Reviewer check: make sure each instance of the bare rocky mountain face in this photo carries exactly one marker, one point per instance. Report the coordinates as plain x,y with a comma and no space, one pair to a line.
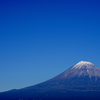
80,82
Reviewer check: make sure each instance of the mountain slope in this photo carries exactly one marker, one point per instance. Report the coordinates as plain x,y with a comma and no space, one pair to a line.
82,73
80,81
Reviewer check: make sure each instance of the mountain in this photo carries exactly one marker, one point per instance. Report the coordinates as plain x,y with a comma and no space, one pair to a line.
83,76
80,82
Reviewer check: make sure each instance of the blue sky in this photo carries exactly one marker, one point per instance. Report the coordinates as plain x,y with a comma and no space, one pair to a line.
39,39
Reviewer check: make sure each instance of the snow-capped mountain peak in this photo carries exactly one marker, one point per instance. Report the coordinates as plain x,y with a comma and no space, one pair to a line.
82,64
83,68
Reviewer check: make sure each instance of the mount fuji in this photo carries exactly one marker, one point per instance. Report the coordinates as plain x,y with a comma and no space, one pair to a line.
80,82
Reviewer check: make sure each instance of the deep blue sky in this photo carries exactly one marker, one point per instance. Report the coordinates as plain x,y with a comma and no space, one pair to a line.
39,39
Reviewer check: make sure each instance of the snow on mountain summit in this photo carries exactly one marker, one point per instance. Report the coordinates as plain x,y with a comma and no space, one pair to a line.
83,64
83,68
